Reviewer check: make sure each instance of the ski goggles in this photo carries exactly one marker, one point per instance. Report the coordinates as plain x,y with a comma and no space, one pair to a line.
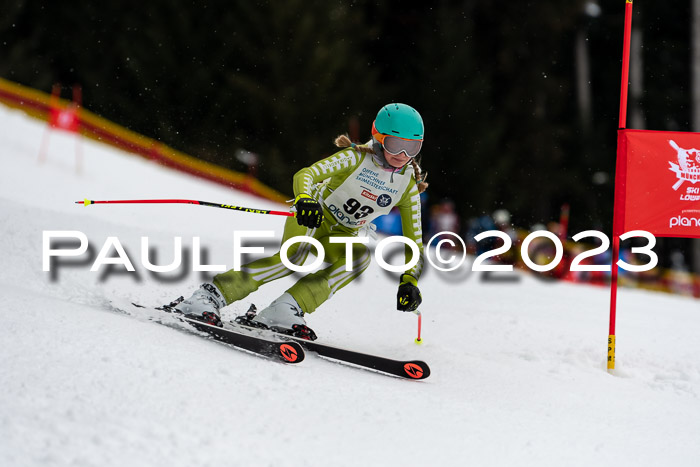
395,145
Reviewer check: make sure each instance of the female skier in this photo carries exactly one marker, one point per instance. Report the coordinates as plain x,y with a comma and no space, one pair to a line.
360,183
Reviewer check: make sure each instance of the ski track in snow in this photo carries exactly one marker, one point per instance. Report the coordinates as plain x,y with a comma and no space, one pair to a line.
518,368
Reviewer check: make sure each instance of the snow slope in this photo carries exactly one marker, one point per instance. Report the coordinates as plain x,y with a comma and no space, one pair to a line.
518,371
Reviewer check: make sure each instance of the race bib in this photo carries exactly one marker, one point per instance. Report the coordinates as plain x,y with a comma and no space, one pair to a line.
366,194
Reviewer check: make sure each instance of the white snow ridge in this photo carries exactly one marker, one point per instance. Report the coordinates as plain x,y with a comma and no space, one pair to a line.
518,368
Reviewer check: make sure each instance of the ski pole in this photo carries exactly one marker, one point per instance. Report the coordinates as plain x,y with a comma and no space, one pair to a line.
88,202
418,340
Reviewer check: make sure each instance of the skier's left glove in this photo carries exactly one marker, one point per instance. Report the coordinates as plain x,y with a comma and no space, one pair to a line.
309,211
408,298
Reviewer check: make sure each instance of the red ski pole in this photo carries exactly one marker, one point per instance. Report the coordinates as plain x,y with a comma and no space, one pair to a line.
418,339
88,202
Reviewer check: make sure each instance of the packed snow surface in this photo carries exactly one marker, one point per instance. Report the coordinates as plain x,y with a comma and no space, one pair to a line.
518,365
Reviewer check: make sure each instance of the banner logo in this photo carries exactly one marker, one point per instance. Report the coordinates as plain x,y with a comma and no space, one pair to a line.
684,222
688,167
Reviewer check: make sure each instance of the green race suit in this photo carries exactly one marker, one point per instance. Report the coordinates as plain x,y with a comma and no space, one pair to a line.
354,190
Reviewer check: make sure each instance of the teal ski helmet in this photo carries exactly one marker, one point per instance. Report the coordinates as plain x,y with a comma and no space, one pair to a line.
400,120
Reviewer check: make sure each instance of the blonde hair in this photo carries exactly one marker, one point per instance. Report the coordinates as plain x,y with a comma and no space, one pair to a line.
343,141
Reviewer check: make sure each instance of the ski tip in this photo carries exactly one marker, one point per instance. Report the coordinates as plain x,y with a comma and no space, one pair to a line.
416,369
85,201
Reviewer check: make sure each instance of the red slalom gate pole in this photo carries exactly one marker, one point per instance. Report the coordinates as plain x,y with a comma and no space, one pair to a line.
620,181
88,202
625,64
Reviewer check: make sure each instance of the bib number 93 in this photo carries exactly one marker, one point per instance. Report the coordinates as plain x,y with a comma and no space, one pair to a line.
355,209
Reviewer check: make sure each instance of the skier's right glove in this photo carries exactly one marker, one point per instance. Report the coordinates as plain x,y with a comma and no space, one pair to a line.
408,298
309,211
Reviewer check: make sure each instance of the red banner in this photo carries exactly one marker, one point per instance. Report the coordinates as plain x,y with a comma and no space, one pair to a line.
658,183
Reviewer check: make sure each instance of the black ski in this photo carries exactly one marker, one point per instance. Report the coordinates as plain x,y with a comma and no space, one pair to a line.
410,369
289,349
286,351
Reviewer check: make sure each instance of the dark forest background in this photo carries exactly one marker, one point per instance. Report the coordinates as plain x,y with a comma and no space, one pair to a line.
498,84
